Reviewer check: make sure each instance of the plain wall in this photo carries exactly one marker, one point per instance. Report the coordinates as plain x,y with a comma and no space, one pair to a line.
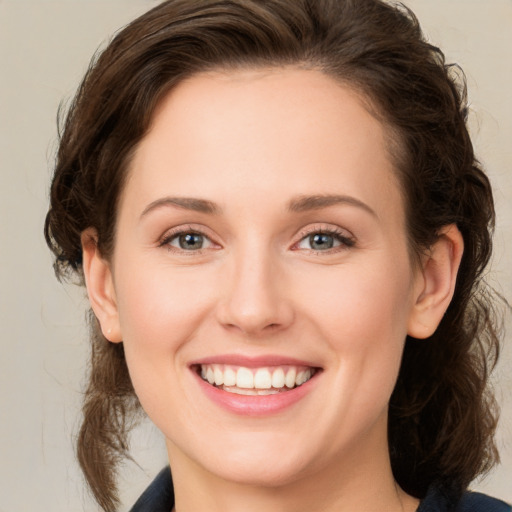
45,46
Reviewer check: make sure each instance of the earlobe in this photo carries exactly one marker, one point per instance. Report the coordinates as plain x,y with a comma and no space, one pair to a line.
437,283
100,286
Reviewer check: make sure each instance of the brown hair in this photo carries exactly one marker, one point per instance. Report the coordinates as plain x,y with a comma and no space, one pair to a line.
440,402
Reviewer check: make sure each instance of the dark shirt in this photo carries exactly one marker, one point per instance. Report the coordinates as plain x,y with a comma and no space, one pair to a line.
159,497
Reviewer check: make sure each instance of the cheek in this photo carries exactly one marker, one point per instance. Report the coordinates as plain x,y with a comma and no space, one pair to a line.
157,307
367,335
363,313
365,299
160,312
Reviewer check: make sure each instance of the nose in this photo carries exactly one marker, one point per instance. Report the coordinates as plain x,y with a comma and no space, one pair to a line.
255,299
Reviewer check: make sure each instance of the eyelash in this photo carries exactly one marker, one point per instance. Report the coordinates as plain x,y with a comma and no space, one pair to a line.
339,235
183,230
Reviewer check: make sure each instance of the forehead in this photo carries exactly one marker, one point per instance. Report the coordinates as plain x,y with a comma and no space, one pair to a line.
263,130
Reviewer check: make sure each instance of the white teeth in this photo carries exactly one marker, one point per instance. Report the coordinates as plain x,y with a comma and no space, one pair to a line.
290,378
219,376
262,379
240,391
229,377
268,391
244,378
302,377
278,378
250,392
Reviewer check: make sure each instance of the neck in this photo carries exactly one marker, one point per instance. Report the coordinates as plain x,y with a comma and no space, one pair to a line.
361,481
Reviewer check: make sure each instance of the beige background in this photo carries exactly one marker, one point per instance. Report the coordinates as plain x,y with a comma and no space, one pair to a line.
45,47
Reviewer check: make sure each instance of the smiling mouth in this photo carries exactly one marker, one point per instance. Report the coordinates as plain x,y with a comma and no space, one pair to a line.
268,380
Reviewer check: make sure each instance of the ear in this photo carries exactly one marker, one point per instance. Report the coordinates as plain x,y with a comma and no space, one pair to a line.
100,286
436,283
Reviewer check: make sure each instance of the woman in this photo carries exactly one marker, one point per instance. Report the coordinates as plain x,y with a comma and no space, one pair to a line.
278,216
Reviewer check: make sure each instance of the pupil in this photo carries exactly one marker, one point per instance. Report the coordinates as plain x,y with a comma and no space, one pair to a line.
321,241
191,241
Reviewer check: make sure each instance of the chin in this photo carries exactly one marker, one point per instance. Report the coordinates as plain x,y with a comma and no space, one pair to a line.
261,472
261,459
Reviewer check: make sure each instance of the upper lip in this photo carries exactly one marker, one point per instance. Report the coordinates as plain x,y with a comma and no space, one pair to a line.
253,362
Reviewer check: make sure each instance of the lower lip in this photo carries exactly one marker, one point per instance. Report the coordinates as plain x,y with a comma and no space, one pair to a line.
256,405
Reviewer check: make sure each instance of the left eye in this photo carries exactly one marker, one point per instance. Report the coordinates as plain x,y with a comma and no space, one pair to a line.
189,241
322,241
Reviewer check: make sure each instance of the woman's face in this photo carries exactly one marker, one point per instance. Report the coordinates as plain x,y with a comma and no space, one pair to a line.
261,242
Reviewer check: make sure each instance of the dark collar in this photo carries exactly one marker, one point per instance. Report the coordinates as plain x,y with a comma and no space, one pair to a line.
159,497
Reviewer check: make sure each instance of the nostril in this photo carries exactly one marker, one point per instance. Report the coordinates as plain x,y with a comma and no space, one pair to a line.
253,313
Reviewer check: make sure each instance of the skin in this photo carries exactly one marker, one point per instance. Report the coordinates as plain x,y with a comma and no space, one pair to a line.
252,142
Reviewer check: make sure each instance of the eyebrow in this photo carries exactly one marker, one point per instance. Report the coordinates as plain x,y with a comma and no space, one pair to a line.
317,202
295,205
185,203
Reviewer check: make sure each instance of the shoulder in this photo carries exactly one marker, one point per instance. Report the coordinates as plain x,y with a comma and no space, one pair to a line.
478,502
439,500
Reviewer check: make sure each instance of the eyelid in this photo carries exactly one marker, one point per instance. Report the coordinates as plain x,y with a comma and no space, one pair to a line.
346,238
174,232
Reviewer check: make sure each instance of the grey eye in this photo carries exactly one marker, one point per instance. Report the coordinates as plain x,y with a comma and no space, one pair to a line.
188,241
321,241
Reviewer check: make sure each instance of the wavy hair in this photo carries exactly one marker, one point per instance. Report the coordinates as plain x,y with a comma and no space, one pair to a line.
441,400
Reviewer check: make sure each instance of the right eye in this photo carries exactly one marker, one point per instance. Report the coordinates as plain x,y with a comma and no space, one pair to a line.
325,240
